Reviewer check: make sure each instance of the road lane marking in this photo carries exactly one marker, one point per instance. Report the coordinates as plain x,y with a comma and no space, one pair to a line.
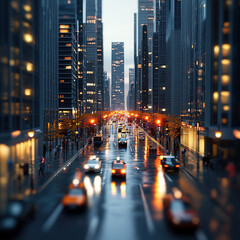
52,219
200,235
168,178
147,212
92,228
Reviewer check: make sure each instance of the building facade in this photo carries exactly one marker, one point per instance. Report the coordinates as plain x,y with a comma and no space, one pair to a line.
145,17
117,96
49,63
106,92
68,59
174,68
21,98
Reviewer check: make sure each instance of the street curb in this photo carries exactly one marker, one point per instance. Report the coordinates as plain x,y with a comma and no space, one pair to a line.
73,158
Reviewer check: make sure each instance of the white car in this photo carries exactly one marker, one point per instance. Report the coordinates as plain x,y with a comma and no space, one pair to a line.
92,165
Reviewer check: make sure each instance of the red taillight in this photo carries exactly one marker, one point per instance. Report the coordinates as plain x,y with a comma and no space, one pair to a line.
123,171
177,166
165,165
113,171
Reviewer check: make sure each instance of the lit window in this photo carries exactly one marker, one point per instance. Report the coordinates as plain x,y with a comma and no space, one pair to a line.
67,58
29,67
64,26
28,92
68,67
62,100
64,31
61,80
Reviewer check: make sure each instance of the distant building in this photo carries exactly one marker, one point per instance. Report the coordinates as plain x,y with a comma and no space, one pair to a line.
100,78
106,92
49,50
81,48
144,69
117,101
136,82
131,92
68,59
174,68
145,17
162,58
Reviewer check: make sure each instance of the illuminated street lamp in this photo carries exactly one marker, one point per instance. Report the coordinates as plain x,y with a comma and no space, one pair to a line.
158,121
31,135
218,134
92,121
146,117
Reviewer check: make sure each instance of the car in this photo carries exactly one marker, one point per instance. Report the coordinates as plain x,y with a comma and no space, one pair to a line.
152,149
170,164
92,165
122,142
75,198
118,169
180,214
17,212
141,136
98,140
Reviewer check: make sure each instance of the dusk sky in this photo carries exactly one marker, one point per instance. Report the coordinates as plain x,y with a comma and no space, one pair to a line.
118,24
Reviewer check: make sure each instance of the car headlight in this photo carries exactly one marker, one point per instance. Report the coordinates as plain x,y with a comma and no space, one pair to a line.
97,166
86,166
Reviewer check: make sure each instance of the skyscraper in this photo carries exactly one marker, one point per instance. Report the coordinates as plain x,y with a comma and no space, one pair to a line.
91,56
145,17
117,101
173,46
136,83
106,92
68,59
48,45
100,79
94,56
81,80
162,58
131,92
144,69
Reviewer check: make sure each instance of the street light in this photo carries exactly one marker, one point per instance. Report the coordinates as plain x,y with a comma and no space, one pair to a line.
31,135
146,117
218,134
158,121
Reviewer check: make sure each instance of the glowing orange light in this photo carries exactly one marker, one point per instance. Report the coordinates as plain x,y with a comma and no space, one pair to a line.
165,165
218,134
31,134
158,121
123,171
147,118
92,121
113,171
236,133
136,115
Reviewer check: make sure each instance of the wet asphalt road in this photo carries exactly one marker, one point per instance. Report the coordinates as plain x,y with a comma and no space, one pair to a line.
129,210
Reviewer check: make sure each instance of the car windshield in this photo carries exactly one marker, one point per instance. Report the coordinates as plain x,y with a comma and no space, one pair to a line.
118,166
75,191
97,138
123,139
169,160
92,162
179,206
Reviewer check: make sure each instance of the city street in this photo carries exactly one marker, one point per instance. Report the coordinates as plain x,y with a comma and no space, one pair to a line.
131,209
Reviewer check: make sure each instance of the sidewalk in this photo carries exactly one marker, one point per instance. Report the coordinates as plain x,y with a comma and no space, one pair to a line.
20,185
214,181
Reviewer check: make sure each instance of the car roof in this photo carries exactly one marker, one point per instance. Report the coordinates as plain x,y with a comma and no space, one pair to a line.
118,161
168,156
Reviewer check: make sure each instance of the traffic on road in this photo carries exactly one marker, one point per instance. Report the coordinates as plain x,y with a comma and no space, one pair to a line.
122,186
